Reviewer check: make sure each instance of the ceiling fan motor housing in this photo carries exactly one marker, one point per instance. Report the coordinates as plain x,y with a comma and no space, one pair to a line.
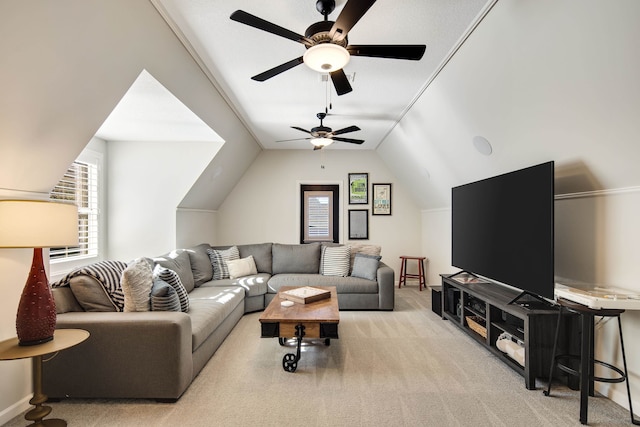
320,131
319,33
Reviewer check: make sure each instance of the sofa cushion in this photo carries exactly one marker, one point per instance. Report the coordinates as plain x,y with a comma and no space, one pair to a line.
261,253
65,300
344,285
296,258
241,267
179,262
173,279
334,260
136,285
219,258
209,308
365,266
200,263
164,297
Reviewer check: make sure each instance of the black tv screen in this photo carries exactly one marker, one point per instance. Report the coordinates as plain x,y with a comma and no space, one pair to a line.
502,228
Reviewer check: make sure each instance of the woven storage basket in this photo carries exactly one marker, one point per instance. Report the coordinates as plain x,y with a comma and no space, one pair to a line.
477,325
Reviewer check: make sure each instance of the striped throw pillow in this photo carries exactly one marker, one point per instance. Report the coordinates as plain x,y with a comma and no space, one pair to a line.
172,278
219,260
334,260
164,297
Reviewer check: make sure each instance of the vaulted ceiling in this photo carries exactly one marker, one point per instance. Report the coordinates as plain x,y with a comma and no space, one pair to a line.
383,89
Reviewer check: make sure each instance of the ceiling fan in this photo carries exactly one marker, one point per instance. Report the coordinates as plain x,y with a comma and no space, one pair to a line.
321,136
328,49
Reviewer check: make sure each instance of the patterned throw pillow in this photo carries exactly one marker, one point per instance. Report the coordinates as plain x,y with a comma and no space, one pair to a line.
136,284
172,278
335,260
219,260
164,297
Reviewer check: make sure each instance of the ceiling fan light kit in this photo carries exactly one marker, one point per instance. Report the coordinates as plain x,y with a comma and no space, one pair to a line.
321,142
326,57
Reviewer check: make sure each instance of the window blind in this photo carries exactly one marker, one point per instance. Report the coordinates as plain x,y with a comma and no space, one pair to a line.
318,216
79,186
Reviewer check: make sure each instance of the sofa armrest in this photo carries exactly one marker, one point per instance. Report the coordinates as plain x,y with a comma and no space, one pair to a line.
386,291
128,355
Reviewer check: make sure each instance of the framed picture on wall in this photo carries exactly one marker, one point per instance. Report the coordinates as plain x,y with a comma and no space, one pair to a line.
358,188
381,194
358,224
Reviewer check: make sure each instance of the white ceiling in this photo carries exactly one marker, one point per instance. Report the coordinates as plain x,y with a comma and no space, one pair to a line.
383,89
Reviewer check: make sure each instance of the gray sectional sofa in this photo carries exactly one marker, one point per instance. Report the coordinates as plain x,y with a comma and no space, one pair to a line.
157,354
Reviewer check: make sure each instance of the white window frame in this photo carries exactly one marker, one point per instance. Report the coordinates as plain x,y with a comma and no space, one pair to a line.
63,265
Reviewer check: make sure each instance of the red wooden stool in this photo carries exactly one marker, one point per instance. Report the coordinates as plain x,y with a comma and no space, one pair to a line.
404,274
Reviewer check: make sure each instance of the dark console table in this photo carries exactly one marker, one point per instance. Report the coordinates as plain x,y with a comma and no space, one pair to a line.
472,303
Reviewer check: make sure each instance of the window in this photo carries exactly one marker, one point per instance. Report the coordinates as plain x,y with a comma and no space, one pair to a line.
318,209
79,185
319,213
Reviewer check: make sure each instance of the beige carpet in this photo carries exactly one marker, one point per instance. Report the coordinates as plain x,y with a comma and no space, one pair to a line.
402,368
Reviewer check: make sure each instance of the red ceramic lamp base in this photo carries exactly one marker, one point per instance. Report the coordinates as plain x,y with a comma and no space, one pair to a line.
36,318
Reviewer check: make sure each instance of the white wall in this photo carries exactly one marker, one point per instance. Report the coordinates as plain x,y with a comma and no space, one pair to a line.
596,242
16,375
195,226
147,181
264,206
436,243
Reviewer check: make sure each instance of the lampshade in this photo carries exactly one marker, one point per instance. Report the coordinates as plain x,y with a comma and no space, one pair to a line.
321,142
326,57
37,224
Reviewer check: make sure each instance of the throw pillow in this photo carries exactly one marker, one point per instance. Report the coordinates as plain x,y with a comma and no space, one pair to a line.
136,284
334,261
178,261
363,248
200,264
219,260
366,266
172,278
97,286
241,267
164,297
92,296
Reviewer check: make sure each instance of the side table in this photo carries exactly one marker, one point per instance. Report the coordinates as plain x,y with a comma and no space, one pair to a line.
11,350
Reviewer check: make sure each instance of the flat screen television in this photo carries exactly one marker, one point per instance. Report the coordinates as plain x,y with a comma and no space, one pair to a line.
502,229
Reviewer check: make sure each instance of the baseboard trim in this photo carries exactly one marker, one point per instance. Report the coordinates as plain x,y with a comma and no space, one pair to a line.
14,410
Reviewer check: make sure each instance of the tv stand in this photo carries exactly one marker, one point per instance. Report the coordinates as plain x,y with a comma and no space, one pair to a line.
477,305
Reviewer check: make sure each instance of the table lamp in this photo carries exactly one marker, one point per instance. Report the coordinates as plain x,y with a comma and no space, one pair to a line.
37,224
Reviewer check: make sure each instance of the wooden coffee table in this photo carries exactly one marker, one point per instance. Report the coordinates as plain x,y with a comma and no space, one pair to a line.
317,319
